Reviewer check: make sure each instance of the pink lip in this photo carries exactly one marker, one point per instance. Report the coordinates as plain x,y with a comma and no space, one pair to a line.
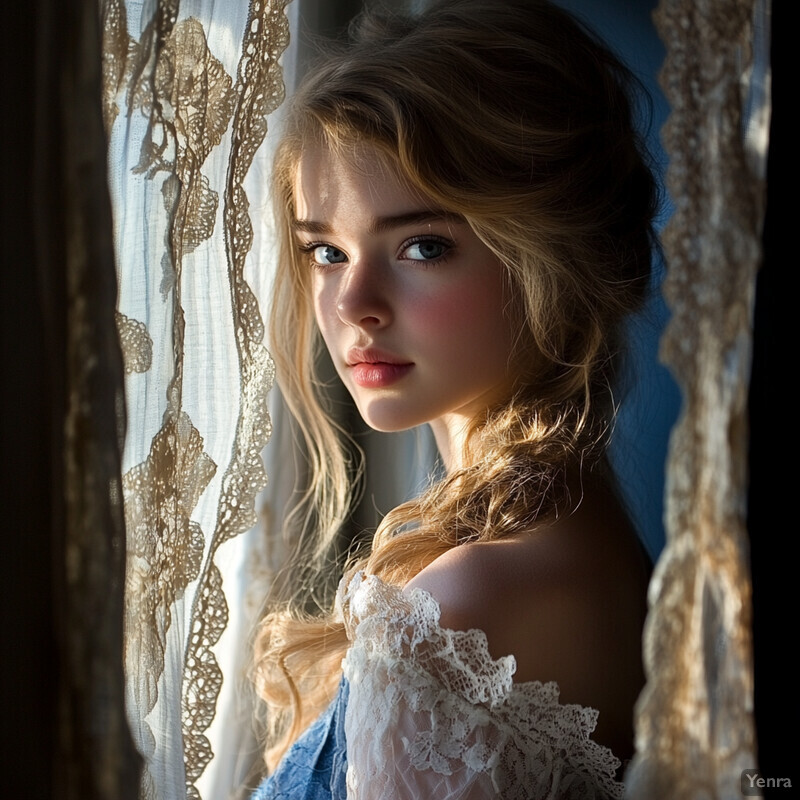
377,376
374,369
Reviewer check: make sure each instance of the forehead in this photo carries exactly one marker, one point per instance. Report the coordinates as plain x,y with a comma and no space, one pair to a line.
327,183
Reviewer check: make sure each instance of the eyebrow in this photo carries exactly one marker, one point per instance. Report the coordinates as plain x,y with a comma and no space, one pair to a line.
381,224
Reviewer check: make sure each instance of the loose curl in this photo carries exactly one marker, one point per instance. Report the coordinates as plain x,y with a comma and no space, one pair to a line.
516,117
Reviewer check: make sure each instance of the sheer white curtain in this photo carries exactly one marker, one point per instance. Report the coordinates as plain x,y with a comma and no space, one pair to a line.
188,93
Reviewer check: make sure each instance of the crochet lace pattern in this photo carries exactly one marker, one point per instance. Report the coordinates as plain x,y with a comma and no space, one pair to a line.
431,713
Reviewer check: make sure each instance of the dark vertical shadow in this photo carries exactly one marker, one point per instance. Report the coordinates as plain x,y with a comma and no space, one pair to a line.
770,519
66,735
30,386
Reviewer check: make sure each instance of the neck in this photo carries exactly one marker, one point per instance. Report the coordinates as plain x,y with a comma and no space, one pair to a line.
450,434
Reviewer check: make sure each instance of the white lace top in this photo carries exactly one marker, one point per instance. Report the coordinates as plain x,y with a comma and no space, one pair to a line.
432,715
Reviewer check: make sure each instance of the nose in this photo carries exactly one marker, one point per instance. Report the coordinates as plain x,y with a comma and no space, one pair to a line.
363,298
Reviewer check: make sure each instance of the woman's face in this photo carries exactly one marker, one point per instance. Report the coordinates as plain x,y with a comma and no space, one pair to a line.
411,304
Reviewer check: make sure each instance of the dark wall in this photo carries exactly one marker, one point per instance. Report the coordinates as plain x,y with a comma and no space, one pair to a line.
651,405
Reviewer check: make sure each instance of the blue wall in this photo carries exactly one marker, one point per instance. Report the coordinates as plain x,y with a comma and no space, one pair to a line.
652,405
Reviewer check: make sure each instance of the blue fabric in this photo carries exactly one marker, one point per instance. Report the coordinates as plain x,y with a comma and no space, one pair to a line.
315,766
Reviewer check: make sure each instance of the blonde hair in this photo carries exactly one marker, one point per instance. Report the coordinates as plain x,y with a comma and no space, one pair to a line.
514,116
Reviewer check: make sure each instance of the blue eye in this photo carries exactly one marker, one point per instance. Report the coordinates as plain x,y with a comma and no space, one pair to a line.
426,250
325,254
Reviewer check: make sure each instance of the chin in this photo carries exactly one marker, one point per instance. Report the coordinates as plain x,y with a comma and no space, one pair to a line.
388,426
378,416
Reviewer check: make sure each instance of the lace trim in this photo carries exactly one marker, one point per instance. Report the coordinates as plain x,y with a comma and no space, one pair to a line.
473,715
258,91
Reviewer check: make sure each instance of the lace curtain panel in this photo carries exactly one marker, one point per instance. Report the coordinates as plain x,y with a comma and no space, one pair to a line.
188,89
695,725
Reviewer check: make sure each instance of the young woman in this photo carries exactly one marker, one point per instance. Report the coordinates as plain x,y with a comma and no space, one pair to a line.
466,212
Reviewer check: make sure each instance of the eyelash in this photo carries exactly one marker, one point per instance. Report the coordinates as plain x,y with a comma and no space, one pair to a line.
309,248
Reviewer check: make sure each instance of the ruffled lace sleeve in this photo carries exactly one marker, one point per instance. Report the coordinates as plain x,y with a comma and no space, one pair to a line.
432,715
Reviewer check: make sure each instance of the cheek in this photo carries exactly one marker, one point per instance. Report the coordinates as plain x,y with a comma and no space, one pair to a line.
324,299
468,317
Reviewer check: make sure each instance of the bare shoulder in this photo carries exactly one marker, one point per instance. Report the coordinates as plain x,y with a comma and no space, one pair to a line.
567,601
